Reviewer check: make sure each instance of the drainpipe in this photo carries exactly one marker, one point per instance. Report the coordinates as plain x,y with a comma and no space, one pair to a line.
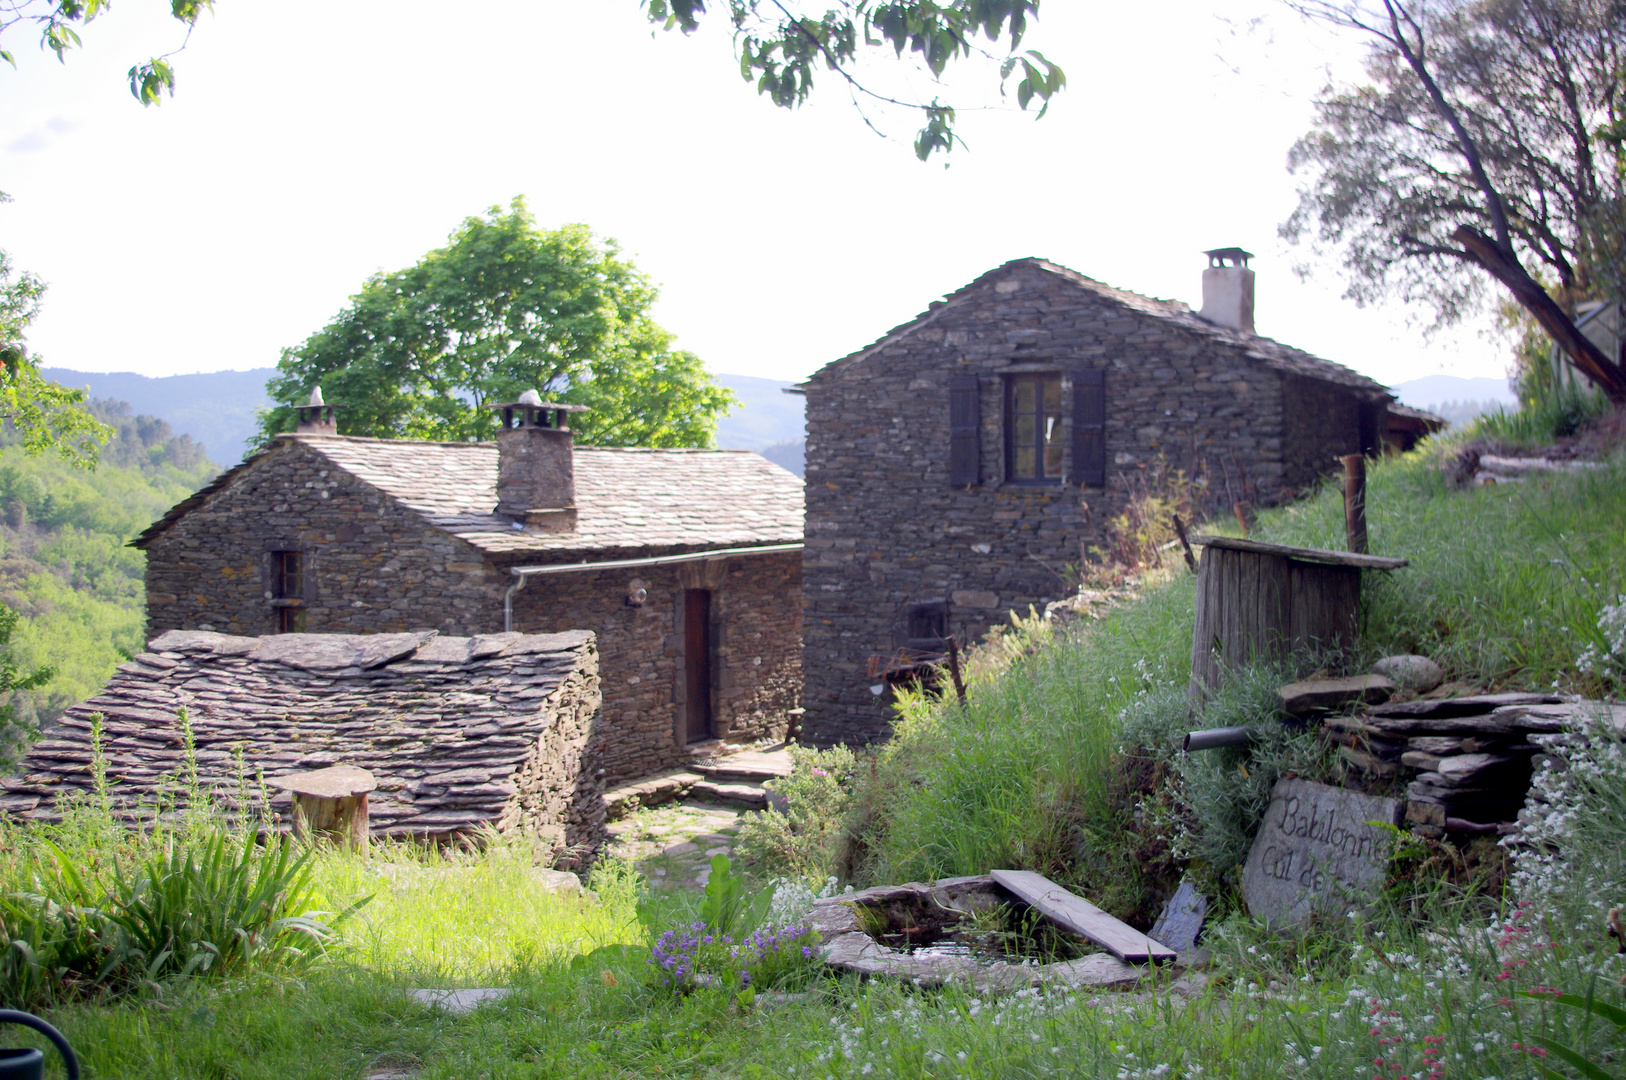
522,574
1214,738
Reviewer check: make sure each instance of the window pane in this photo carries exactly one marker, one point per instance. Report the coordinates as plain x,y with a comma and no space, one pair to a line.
1025,444
1052,426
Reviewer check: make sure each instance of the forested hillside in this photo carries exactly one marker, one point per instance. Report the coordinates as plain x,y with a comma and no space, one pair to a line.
64,565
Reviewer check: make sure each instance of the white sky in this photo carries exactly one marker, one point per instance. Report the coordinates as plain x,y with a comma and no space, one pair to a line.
310,144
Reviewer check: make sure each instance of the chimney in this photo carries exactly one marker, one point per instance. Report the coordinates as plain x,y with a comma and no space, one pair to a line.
316,415
1228,289
536,467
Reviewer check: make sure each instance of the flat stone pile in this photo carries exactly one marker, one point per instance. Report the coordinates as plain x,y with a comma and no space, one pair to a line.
1466,761
460,732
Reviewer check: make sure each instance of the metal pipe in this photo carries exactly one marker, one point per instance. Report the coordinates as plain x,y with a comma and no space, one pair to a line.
1214,738
525,573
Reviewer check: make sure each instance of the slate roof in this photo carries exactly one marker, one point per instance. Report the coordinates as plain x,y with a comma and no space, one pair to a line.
441,722
1266,350
626,498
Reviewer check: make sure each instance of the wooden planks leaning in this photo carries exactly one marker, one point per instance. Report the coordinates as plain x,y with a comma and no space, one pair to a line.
1082,917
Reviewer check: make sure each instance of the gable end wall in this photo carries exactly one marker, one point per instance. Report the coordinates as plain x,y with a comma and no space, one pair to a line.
377,566
885,529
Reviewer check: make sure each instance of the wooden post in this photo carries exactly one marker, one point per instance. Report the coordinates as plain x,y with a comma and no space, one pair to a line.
954,667
330,804
1185,544
1355,501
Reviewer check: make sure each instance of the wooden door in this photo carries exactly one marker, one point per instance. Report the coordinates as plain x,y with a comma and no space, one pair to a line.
697,664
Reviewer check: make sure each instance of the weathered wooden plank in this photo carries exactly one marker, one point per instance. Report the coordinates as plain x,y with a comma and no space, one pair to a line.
1303,554
1082,917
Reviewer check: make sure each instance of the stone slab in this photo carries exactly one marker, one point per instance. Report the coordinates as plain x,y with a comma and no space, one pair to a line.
335,652
1304,697
334,782
1462,706
458,1002
1181,920
1315,852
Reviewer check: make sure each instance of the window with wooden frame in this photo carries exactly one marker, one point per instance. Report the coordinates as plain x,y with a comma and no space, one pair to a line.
1034,448
288,590
287,575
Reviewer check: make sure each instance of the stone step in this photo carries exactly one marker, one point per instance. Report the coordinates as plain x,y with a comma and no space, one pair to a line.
739,794
650,791
748,765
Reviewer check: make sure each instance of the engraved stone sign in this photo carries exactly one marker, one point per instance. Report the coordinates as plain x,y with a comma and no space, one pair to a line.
1315,851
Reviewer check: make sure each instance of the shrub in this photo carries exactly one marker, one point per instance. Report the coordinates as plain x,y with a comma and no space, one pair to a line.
802,839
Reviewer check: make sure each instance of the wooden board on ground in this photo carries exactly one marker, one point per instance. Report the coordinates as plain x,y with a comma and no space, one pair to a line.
1082,917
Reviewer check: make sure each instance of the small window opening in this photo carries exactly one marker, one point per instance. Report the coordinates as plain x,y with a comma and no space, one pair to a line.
926,625
1033,438
290,620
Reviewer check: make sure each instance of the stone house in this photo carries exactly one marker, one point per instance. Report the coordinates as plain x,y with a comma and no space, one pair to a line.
685,564
959,465
458,732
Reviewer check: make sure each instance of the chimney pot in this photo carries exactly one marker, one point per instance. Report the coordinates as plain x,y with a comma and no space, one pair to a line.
536,467
316,415
1228,289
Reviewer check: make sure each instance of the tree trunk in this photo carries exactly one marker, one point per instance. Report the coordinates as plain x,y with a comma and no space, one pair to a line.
1588,358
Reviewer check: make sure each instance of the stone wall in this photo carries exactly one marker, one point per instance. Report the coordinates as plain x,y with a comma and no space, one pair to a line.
885,529
374,565
756,650
1323,424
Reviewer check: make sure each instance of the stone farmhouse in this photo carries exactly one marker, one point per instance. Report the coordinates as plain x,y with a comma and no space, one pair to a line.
958,465
684,564
458,732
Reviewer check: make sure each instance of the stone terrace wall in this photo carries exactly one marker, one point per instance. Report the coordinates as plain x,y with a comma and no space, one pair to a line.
883,526
756,650
376,566
460,732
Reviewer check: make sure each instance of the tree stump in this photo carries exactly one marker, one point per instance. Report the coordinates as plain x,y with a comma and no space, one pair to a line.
1258,601
330,804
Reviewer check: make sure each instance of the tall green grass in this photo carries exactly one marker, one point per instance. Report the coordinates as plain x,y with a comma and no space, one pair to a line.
1504,589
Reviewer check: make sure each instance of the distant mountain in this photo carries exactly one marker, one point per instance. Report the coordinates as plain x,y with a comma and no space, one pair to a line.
1435,389
767,417
218,409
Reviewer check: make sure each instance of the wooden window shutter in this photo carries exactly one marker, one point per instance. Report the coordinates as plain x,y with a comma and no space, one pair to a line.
965,431
1090,428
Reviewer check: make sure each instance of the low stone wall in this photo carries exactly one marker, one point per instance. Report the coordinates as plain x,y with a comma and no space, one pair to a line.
460,732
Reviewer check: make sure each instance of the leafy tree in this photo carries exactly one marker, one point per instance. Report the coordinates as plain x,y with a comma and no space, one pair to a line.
15,736
502,309
780,51
1484,145
45,415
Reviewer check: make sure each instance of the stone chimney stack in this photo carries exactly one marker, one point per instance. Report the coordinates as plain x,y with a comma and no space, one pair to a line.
1228,289
316,415
536,464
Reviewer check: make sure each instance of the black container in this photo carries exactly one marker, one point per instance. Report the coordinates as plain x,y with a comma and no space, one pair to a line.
17,1063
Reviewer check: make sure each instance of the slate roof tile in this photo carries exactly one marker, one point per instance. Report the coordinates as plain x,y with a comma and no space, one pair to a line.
1272,353
626,498
439,764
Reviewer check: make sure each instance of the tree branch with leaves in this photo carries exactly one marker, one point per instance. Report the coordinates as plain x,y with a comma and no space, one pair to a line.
781,47
1481,146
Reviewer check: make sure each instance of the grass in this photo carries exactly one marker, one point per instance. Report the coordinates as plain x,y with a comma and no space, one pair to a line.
1037,769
